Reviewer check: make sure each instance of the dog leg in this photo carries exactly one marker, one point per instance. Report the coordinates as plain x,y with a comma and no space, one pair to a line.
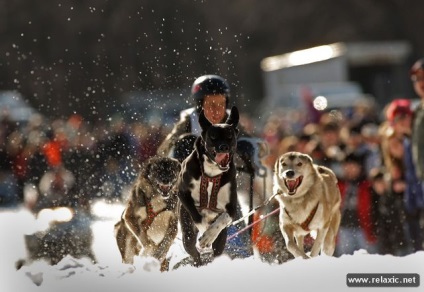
330,238
132,249
300,241
120,238
319,240
189,233
160,252
131,221
329,243
165,244
291,243
164,265
128,245
209,236
218,245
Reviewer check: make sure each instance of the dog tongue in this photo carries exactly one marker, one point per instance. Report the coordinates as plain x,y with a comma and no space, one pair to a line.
222,158
291,184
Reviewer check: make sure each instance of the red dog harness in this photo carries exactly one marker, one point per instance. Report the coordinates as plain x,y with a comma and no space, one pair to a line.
151,215
305,224
216,185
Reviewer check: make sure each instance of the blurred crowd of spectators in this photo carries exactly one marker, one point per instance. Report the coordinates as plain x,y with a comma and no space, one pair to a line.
72,159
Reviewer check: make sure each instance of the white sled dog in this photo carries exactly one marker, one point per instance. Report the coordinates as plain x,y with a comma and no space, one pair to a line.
309,200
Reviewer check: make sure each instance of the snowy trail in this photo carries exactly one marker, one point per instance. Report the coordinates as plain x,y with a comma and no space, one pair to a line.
318,274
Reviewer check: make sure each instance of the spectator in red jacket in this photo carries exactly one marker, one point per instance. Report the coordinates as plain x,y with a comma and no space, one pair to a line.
357,226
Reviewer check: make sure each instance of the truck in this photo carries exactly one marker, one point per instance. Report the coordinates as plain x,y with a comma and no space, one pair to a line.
337,75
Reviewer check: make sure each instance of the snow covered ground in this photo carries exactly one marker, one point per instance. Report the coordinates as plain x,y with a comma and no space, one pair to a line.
109,274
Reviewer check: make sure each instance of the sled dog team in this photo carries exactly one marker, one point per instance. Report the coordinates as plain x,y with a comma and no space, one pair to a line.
200,194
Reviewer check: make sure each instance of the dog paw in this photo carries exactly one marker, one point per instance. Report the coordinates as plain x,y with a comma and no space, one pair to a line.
306,257
208,237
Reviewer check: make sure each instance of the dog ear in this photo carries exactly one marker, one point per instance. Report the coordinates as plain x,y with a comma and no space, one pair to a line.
307,157
277,166
177,165
147,169
204,122
234,117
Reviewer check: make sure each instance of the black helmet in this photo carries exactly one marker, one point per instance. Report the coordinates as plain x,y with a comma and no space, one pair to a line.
209,84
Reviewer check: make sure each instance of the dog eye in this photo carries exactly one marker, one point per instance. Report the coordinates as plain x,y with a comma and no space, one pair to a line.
212,136
284,164
299,164
229,135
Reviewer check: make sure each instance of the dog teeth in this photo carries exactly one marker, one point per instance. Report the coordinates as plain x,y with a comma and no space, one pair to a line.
293,184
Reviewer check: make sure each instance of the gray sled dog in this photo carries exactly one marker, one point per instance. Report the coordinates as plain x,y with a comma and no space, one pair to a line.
309,200
149,224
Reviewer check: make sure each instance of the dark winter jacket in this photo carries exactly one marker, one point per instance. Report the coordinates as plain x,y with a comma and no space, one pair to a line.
182,127
413,197
364,206
418,140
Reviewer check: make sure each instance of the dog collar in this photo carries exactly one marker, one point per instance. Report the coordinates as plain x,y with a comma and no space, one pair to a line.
305,224
205,203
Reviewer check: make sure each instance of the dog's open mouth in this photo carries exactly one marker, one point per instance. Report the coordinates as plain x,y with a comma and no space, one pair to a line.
165,188
293,184
222,159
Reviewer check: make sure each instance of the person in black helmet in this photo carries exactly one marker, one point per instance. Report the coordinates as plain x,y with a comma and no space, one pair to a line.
211,93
